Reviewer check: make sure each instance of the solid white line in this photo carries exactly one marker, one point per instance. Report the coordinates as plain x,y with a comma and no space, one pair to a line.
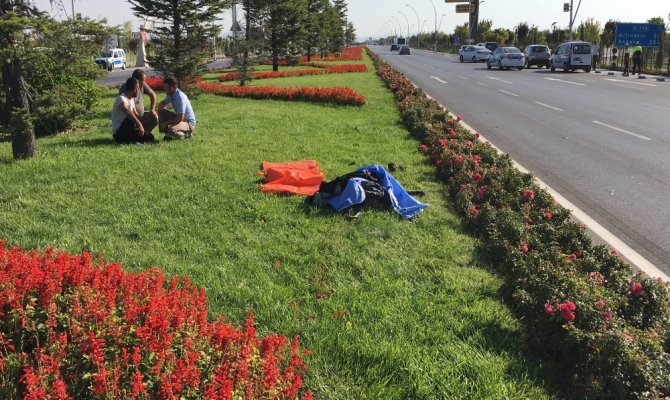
483,84
570,82
498,79
548,106
509,93
621,130
438,79
634,83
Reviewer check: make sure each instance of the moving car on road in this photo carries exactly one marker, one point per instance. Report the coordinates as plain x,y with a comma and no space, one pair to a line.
404,49
474,54
506,57
571,56
394,47
537,54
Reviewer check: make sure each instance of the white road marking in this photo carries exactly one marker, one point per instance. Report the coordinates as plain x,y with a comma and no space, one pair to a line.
621,130
634,83
509,93
548,106
483,84
463,77
438,79
570,82
498,79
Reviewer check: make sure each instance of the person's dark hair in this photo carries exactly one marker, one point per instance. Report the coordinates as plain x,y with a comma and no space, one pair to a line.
138,74
170,81
131,83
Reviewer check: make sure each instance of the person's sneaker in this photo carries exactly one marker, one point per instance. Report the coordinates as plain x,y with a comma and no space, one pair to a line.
139,144
178,135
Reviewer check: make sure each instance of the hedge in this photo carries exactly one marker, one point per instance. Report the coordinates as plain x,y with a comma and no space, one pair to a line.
334,95
608,327
335,69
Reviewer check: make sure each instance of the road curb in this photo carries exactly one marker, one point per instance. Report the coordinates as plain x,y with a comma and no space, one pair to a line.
633,257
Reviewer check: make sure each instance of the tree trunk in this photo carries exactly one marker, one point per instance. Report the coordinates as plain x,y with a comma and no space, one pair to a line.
309,52
18,104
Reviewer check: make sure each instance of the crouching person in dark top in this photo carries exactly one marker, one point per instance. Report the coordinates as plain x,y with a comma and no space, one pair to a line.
126,125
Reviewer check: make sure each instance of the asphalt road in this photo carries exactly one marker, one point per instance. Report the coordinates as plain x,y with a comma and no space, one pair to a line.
601,141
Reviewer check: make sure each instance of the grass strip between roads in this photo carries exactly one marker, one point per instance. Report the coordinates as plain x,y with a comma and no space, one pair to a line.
391,309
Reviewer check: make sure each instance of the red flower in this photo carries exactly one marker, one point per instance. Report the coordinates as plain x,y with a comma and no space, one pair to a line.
600,304
451,122
477,177
523,248
423,148
571,256
474,211
477,135
636,289
566,309
529,195
548,309
459,118
547,215
607,315
614,252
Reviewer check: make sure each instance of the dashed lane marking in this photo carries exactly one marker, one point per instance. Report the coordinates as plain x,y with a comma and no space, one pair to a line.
548,106
509,93
562,81
438,79
621,130
500,80
633,83
482,84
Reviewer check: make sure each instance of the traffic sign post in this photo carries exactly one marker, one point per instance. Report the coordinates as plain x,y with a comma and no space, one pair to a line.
647,35
465,8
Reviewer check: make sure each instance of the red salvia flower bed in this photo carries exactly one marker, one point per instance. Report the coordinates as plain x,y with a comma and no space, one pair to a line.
75,328
156,82
335,95
335,69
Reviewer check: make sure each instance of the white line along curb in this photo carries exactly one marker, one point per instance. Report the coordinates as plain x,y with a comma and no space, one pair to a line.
608,237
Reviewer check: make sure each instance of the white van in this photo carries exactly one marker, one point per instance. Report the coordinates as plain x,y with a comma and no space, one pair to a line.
112,58
572,56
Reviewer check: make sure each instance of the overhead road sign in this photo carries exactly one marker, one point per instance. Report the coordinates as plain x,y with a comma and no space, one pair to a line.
465,8
648,35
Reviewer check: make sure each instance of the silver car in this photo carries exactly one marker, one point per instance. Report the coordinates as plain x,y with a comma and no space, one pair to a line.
506,57
475,54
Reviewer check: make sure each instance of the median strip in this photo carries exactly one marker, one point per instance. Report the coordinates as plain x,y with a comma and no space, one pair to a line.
621,130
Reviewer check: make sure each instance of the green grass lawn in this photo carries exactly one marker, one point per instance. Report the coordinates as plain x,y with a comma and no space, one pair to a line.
409,312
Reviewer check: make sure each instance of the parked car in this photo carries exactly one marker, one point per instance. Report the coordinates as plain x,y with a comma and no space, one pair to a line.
404,49
571,56
112,58
475,54
506,57
537,54
492,46
394,47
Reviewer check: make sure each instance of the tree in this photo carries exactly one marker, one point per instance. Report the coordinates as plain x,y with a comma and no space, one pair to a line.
254,13
590,30
499,35
314,26
462,31
184,30
659,54
607,35
285,24
522,31
349,34
483,30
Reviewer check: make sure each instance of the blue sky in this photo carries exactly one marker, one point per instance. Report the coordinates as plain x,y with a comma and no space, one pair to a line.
370,16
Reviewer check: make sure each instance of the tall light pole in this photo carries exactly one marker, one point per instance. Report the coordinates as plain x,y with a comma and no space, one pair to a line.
407,20
73,18
418,25
396,20
573,16
435,33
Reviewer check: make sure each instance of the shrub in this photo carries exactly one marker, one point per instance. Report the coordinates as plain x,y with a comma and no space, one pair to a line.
57,109
336,69
609,328
72,327
334,95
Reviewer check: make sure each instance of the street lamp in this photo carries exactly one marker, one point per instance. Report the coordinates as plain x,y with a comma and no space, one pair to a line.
396,20
435,10
418,24
406,20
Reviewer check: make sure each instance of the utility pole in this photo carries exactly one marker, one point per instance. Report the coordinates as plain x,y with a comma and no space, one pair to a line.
435,33
573,16
73,16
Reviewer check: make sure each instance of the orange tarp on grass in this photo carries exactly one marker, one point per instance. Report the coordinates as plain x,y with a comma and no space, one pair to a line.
295,177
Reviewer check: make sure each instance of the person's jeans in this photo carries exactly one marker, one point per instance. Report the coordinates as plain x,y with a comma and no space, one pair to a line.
595,61
149,122
180,130
637,65
128,134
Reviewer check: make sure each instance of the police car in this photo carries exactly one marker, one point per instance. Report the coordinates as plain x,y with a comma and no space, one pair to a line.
111,59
